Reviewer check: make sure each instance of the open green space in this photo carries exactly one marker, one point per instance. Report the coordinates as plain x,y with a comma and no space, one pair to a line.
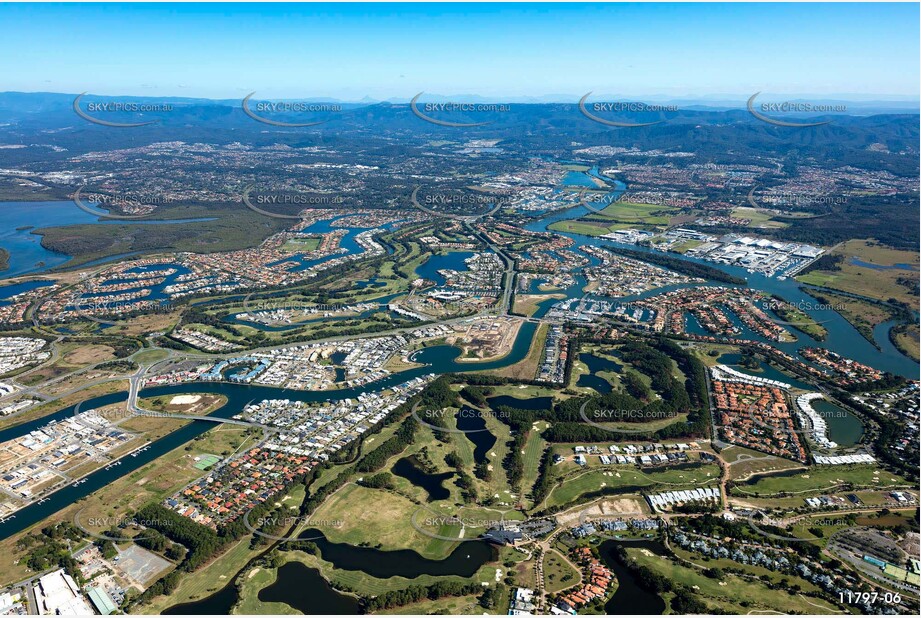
569,488
820,479
255,580
881,283
559,574
228,228
630,212
732,594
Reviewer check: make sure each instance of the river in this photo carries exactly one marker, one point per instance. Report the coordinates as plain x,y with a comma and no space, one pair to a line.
842,338
436,359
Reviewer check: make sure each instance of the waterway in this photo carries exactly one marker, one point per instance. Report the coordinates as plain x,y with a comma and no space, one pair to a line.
597,364
304,589
843,427
630,598
467,557
433,484
842,338
436,359
8,291
472,422
18,221
535,403
464,561
453,260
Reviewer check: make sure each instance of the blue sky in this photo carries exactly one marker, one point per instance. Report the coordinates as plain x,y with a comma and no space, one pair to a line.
396,50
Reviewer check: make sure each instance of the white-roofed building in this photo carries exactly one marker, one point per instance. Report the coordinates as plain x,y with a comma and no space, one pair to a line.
58,594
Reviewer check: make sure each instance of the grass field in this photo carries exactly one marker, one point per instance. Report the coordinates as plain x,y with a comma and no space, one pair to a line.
633,213
820,479
526,391
729,594
574,486
451,605
879,283
528,304
908,341
558,573
745,462
254,581
760,218
73,356
150,356
388,525
534,449
589,228
684,247
802,322
301,244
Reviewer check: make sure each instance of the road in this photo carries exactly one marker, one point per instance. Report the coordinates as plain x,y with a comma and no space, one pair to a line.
40,392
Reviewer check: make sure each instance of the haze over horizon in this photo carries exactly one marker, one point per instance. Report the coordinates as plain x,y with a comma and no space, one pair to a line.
720,100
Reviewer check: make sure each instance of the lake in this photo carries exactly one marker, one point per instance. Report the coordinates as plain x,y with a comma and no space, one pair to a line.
472,422
433,484
465,560
595,365
304,589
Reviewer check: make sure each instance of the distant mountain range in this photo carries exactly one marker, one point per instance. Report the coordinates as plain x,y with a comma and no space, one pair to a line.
38,128
13,102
